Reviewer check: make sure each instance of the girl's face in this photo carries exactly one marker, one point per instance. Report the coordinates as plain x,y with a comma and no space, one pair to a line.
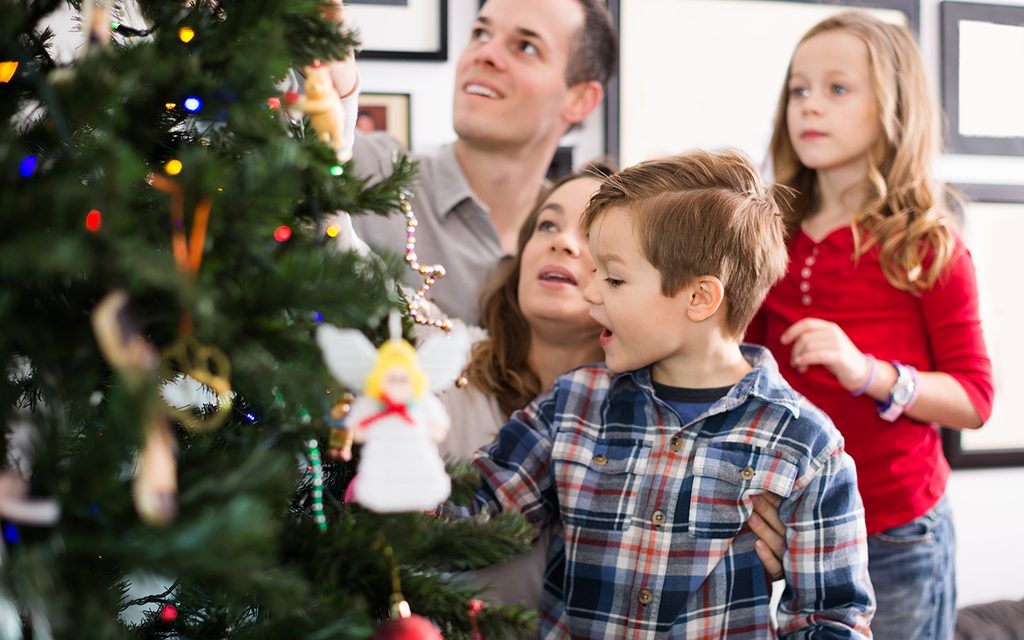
555,263
832,113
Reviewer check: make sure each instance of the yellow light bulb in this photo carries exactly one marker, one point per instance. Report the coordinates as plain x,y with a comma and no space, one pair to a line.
173,167
7,70
185,34
332,231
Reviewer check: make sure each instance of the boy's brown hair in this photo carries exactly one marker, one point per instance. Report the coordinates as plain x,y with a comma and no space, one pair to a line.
702,213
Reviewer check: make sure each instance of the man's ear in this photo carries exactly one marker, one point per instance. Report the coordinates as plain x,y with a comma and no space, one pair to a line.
707,294
583,99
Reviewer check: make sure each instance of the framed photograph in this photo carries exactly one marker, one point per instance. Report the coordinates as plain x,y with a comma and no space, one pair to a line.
981,43
714,91
400,29
386,112
993,224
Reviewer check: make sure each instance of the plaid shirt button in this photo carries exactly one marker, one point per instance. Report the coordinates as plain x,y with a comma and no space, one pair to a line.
676,443
645,597
747,474
600,459
658,517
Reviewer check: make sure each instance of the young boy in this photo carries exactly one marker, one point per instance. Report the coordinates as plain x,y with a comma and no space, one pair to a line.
651,465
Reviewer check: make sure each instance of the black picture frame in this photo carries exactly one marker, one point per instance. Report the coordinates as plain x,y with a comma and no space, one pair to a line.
958,452
952,14
389,43
613,99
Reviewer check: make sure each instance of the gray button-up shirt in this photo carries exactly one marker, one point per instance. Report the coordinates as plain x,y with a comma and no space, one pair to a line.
455,228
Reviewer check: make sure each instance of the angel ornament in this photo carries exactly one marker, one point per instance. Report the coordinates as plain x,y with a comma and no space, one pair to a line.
398,418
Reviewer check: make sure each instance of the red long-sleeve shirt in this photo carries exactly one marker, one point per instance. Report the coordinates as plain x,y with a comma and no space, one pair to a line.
900,467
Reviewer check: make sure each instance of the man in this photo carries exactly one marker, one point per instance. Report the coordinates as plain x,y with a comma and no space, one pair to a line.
532,70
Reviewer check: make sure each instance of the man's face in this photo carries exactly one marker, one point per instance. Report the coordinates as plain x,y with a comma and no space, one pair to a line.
510,83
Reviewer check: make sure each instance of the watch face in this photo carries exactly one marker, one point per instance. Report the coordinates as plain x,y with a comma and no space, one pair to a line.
901,394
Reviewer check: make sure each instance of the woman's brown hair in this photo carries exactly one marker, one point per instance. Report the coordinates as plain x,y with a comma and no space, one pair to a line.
904,211
499,364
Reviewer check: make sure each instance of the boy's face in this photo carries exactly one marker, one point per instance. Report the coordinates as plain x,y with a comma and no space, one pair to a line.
510,82
641,325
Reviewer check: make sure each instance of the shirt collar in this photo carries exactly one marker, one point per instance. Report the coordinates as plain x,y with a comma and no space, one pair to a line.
763,381
452,187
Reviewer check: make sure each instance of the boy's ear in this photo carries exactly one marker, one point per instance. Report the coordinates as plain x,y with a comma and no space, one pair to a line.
706,296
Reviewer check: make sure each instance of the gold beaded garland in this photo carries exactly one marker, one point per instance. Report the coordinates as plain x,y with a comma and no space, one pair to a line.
431,273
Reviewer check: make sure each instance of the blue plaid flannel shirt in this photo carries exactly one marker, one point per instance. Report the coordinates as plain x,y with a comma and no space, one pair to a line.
653,513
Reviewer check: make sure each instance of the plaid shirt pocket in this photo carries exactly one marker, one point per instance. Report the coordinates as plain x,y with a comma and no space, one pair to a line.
599,480
725,478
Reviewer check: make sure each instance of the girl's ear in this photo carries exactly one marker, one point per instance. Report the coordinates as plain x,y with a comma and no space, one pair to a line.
706,296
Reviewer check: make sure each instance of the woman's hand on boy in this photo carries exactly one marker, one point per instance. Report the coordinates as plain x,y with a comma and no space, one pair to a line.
817,341
771,534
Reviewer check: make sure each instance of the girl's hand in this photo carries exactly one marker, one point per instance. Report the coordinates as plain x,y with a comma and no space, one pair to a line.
817,341
771,534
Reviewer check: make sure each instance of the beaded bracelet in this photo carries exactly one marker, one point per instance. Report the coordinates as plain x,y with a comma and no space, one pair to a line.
871,376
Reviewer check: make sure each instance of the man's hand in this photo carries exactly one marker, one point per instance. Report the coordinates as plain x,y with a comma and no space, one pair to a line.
333,10
771,533
343,72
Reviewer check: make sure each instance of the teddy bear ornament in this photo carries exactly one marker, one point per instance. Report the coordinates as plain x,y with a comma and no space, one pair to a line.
323,105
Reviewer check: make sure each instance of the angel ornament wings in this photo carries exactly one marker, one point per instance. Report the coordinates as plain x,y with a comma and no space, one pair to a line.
398,418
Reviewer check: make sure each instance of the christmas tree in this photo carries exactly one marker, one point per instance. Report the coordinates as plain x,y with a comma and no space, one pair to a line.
165,265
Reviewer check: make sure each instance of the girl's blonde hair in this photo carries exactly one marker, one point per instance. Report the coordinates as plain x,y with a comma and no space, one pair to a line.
904,211
396,353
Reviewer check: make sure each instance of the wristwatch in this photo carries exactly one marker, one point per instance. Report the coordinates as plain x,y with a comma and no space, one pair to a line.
902,395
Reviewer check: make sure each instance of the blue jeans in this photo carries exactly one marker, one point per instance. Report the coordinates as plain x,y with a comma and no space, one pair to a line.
914,573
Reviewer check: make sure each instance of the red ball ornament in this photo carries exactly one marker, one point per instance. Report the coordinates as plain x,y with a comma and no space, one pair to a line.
412,628
93,220
282,233
169,613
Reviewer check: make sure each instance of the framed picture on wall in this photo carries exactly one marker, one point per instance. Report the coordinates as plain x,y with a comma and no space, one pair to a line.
981,44
400,29
993,226
721,65
388,112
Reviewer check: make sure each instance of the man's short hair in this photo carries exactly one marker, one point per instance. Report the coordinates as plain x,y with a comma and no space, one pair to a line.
595,51
702,213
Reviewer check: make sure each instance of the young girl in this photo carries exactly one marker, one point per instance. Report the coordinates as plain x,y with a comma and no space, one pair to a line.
877,321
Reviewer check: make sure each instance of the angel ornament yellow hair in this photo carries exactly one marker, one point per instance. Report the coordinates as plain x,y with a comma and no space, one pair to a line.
398,418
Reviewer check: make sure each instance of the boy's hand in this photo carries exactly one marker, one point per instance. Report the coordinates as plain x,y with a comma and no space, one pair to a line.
771,533
817,341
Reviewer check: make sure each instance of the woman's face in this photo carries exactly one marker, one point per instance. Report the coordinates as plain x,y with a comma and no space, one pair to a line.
556,263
